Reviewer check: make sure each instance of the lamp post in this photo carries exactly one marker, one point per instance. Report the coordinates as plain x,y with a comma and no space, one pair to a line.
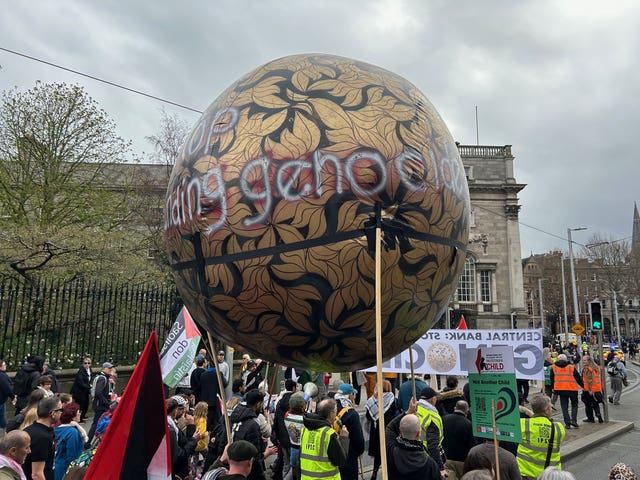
541,305
564,297
576,312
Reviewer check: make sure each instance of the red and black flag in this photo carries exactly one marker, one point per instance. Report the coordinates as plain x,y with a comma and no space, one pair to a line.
136,443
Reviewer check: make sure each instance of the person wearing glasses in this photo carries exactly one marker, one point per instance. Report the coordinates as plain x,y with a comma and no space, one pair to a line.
81,389
39,463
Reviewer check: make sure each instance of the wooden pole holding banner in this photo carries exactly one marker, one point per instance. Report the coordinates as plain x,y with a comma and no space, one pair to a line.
227,425
495,438
383,450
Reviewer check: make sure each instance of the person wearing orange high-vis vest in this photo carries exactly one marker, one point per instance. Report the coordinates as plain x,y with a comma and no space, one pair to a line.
566,381
592,393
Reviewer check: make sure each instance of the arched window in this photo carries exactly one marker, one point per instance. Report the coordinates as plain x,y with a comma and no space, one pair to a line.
466,292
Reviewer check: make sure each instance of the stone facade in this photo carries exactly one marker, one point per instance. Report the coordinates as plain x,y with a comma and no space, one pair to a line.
490,290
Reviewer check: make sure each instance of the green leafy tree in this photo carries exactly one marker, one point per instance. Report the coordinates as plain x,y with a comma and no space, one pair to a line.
65,196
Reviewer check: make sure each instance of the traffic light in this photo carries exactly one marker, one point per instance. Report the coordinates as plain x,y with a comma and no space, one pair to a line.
595,310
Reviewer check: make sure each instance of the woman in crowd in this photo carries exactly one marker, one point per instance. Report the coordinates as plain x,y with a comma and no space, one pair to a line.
69,439
592,393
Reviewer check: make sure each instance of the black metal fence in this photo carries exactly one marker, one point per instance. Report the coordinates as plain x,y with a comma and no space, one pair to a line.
63,322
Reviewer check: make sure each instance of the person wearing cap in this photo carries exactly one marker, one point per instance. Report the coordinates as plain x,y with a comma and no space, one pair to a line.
350,418
182,445
431,425
405,392
253,374
223,367
235,463
101,396
322,450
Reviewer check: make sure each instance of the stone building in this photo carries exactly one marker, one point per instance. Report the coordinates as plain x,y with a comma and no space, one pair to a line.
490,292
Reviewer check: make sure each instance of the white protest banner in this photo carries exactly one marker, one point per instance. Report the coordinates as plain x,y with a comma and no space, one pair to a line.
444,352
179,349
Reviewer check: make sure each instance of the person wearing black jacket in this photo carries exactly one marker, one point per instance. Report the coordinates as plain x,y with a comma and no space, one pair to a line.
253,374
280,430
101,396
31,370
350,418
408,459
209,391
201,367
6,393
458,438
244,426
81,388
182,444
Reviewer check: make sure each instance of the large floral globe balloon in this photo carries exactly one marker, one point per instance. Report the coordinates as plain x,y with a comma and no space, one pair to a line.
272,207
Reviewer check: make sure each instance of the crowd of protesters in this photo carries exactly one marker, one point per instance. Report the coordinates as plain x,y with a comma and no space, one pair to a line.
313,427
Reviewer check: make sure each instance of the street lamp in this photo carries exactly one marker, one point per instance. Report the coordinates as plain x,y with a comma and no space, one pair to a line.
573,273
564,297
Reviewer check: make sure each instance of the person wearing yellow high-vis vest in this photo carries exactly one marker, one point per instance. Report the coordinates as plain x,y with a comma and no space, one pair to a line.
538,432
431,426
322,450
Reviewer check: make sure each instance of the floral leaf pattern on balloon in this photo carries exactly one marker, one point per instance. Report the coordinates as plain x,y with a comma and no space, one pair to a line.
272,205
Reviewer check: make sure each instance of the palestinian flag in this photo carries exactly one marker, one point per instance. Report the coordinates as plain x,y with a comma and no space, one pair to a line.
136,443
179,349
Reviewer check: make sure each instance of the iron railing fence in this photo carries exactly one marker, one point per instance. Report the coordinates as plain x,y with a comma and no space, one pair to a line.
63,322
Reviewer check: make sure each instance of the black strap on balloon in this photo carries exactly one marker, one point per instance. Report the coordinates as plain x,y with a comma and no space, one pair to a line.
393,235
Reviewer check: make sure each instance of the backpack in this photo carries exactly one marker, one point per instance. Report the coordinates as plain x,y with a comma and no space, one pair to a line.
337,424
22,383
94,384
612,369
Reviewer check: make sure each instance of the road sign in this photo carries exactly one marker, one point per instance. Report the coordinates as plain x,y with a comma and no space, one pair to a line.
577,328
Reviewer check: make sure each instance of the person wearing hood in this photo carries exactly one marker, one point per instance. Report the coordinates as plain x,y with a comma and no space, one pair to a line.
245,426
322,450
390,409
449,396
26,380
566,381
431,426
350,418
407,456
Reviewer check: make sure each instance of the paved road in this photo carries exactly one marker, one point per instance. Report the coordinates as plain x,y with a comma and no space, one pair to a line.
596,462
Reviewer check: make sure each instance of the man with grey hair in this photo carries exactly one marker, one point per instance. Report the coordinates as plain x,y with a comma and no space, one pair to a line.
407,457
541,439
566,381
14,448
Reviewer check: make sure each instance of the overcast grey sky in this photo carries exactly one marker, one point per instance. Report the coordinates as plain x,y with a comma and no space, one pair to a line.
558,80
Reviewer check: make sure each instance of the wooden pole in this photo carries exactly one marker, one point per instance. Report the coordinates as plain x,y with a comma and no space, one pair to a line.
272,386
495,437
383,450
227,425
413,376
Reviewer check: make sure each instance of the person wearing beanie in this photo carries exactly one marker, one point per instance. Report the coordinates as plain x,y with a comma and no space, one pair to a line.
235,463
431,425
